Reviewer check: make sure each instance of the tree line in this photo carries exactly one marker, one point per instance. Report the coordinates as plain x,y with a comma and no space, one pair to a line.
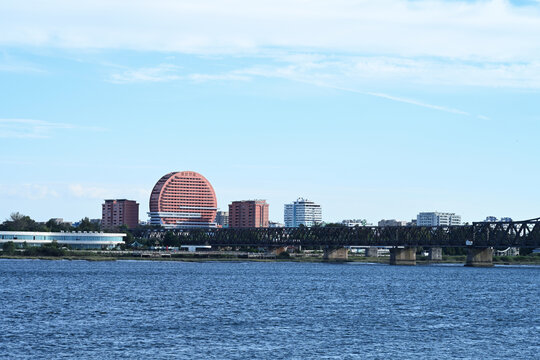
20,222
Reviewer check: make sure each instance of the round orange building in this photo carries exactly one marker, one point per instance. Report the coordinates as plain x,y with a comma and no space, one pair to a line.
183,199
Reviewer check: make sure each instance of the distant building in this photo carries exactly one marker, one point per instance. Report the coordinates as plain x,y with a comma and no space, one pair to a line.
438,219
392,222
222,218
412,222
355,222
181,200
275,224
302,212
248,214
494,219
74,239
115,213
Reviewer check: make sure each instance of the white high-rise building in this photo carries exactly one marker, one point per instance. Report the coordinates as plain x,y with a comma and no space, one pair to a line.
302,212
437,219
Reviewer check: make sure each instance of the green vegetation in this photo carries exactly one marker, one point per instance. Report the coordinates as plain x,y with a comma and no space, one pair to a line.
52,250
20,222
8,248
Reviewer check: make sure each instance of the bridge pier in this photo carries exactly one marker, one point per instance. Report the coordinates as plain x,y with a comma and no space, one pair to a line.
340,254
435,254
480,257
403,256
372,252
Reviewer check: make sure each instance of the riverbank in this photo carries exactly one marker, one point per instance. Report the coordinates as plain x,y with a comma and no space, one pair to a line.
188,257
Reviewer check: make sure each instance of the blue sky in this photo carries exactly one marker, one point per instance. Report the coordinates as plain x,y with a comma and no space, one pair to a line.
372,109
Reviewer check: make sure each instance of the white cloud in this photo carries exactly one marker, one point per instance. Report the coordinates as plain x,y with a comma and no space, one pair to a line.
480,30
231,76
168,72
36,129
19,68
160,73
28,191
40,191
471,43
107,191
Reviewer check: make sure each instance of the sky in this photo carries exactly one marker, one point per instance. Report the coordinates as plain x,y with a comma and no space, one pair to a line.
373,109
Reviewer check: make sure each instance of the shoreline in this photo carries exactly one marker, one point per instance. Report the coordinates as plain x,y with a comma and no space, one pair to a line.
373,260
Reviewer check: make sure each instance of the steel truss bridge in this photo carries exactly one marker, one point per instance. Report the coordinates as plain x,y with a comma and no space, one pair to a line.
525,234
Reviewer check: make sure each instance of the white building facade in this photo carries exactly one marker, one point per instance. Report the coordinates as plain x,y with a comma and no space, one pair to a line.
302,212
437,219
75,239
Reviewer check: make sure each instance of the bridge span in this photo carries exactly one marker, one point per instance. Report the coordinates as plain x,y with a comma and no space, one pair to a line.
480,238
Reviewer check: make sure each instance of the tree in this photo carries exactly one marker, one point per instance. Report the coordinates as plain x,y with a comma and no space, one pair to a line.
20,222
170,239
8,248
87,225
54,226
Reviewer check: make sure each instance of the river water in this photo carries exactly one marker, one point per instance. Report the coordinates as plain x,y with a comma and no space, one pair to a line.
219,310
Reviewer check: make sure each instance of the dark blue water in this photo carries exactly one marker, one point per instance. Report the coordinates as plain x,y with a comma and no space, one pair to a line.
162,310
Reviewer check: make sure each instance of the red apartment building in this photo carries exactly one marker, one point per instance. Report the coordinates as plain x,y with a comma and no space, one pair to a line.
248,214
116,213
183,199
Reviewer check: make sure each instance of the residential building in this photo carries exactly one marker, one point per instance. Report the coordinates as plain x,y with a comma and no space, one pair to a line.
494,219
74,239
438,219
115,213
392,222
222,218
183,199
355,222
302,212
248,214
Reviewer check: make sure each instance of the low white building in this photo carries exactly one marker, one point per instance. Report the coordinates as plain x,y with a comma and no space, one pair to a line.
75,239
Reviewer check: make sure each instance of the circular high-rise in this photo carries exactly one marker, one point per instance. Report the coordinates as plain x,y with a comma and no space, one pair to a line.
183,199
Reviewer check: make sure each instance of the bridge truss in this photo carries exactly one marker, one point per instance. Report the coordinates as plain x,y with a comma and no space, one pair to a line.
479,234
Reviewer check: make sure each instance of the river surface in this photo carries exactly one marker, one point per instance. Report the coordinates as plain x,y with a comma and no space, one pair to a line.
218,310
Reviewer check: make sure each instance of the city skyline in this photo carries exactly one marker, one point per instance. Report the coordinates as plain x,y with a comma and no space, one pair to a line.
332,102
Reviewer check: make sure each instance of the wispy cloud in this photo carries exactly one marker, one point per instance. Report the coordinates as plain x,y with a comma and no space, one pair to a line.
474,30
40,191
20,68
327,80
159,73
322,73
106,191
167,73
28,191
36,129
